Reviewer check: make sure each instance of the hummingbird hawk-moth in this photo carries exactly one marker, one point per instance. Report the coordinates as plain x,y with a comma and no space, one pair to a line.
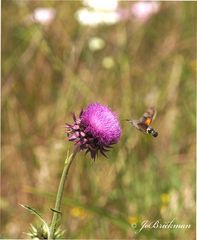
143,124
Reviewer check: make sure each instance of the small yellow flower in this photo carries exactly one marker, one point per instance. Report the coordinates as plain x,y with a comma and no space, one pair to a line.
133,219
78,212
165,198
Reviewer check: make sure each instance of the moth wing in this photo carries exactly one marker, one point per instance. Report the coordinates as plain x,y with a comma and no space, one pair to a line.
142,126
148,116
150,113
139,125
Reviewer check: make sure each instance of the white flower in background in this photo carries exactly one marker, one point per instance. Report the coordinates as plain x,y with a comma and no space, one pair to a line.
143,10
94,18
98,12
43,15
107,12
102,5
108,62
96,43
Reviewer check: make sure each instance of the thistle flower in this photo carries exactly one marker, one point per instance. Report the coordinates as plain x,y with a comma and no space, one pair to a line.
95,130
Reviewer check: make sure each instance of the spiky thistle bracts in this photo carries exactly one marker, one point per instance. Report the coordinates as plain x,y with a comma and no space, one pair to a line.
41,232
95,130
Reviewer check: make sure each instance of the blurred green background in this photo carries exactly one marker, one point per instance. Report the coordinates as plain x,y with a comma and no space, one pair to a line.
51,70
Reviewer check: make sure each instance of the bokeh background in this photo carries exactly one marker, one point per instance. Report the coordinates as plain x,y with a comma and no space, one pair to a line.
59,56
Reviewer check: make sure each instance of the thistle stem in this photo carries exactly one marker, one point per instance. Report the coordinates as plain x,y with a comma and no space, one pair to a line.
60,191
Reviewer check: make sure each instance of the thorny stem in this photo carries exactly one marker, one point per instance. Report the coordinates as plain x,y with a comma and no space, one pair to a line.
56,211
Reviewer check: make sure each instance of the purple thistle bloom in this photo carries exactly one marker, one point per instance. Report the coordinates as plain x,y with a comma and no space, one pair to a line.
96,129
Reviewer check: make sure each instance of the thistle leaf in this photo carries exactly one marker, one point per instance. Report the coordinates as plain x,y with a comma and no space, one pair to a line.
33,211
